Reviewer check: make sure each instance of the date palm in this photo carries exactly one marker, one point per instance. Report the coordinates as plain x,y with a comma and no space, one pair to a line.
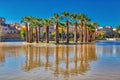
47,23
62,25
27,20
86,20
75,18
95,25
92,31
56,19
37,22
40,24
81,22
66,16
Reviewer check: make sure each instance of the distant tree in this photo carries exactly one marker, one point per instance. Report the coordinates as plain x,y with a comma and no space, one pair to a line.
23,33
118,28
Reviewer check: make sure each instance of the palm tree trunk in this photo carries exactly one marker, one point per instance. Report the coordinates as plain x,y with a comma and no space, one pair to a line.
90,37
67,28
47,34
75,33
62,34
88,34
39,34
85,39
36,35
95,34
30,33
32,38
85,33
57,38
27,37
81,32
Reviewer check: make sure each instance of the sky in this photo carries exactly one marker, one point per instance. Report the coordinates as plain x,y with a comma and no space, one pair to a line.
105,12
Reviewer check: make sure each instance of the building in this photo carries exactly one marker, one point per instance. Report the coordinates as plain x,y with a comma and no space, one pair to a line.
9,31
109,31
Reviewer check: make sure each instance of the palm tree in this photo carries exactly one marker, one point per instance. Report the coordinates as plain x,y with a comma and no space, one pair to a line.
95,25
92,31
37,22
47,23
56,19
32,25
66,16
89,32
81,18
85,28
27,21
40,24
62,25
75,18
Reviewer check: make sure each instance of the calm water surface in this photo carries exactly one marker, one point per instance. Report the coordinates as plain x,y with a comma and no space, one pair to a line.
99,61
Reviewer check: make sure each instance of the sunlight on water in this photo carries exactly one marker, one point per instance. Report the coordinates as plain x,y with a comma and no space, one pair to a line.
59,62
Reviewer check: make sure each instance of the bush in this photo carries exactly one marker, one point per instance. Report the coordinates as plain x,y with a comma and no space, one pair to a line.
23,34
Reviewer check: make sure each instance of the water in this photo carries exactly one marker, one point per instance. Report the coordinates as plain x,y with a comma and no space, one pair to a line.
99,61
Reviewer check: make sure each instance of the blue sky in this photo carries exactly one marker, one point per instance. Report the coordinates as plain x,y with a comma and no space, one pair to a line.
105,12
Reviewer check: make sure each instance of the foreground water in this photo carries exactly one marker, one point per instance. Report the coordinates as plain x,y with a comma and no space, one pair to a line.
99,61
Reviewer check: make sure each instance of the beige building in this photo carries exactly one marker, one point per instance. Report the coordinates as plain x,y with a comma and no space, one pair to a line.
9,31
109,31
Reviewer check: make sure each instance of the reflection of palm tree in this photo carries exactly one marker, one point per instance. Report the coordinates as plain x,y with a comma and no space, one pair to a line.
26,56
32,58
92,54
29,58
56,60
67,61
39,56
47,57
2,55
83,67
75,58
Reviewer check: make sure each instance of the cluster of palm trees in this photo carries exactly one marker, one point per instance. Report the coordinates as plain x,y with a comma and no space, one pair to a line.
84,30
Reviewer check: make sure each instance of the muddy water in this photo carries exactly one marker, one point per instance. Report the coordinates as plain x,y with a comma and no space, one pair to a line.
99,61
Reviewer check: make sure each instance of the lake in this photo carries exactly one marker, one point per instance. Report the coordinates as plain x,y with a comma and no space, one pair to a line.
96,61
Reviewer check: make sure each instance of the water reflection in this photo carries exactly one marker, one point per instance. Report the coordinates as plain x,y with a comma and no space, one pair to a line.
59,62
2,55
61,59
111,49
10,51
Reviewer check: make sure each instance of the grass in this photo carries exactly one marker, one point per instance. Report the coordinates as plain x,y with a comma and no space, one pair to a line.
61,42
